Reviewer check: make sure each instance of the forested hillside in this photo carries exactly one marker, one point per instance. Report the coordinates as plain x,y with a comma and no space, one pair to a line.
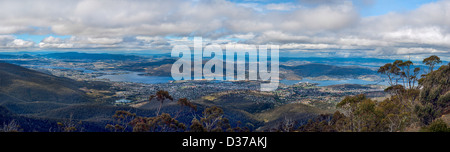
414,104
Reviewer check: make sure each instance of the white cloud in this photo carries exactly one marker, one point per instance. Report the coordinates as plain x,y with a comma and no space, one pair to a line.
419,50
11,42
172,17
309,46
425,30
247,36
80,42
281,6
324,25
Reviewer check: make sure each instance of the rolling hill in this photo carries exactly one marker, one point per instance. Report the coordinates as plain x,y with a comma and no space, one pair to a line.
20,84
316,69
26,94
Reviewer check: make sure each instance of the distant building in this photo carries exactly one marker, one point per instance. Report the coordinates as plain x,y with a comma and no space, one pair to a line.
123,101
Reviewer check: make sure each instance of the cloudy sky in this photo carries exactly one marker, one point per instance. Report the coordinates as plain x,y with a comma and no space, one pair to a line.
375,28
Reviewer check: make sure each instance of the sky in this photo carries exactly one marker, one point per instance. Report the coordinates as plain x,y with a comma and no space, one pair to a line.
344,28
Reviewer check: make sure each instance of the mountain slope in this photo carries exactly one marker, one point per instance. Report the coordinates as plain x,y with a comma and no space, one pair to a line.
25,91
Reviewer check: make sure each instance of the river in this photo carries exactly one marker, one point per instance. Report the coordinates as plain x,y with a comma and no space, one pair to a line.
137,77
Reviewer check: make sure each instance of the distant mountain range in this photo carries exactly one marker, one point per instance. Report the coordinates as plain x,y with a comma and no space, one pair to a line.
316,70
290,68
163,68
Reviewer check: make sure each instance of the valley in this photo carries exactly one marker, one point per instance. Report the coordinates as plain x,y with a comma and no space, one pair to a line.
90,87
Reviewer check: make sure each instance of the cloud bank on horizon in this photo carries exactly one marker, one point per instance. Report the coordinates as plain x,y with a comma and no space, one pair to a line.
336,27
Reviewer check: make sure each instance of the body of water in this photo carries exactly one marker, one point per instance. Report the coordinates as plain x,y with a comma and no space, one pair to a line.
137,77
